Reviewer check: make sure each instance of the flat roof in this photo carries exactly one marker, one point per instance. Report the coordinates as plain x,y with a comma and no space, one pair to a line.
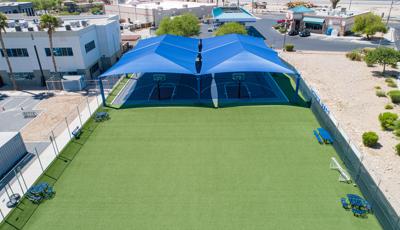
6,136
167,5
342,13
14,3
26,22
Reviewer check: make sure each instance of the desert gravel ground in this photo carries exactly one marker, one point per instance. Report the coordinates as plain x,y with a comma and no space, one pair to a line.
347,88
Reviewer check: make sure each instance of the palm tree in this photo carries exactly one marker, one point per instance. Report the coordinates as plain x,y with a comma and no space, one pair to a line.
3,25
334,3
50,23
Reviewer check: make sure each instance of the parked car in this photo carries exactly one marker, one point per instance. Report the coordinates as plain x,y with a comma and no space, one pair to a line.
293,33
304,33
210,29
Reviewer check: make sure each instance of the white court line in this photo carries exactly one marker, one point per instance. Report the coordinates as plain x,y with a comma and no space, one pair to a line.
19,105
277,86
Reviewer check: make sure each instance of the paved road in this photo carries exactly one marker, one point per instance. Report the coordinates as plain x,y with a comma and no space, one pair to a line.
314,42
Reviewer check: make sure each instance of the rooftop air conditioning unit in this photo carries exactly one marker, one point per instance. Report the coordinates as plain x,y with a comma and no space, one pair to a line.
67,27
18,28
11,24
158,3
84,23
185,5
160,8
35,21
30,29
23,24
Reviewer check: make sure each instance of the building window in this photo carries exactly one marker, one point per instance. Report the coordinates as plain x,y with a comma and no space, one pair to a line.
313,26
59,52
16,52
94,68
23,76
90,46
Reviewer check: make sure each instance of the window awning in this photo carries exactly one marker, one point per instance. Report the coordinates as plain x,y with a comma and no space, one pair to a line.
318,21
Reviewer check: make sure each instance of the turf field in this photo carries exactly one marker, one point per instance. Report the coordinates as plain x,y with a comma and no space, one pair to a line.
253,167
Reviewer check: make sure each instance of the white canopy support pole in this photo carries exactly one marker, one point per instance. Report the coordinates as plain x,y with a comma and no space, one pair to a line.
214,92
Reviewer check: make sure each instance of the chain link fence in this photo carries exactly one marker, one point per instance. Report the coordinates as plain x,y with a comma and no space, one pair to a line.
370,185
20,179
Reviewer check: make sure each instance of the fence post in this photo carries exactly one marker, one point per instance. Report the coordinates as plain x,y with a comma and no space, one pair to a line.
10,188
5,188
87,101
69,131
19,182
79,115
40,162
2,215
54,144
22,176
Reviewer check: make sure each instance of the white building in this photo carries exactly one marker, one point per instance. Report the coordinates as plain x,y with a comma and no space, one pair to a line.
82,45
151,13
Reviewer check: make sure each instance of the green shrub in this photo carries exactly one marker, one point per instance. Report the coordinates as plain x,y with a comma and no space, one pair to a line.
389,80
370,139
354,55
397,147
388,120
394,96
397,132
377,87
392,84
380,93
388,106
366,50
277,26
289,47
282,30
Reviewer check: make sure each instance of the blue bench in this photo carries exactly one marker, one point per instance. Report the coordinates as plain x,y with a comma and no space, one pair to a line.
318,137
344,202
77,132
325,135
358,212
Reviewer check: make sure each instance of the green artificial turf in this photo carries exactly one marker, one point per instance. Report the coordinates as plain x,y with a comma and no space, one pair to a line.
254,167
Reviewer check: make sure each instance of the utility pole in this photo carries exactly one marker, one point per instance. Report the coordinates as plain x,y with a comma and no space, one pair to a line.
390,11
350,4
284,37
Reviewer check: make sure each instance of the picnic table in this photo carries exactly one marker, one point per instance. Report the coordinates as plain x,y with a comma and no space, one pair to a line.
357,201
325,135
39,192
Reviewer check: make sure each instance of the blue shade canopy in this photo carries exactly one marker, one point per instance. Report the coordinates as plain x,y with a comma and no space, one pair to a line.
174,54
239,53
178,41
163,54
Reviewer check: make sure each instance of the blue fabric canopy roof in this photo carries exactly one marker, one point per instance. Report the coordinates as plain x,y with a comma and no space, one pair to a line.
174,54
163,54
239,53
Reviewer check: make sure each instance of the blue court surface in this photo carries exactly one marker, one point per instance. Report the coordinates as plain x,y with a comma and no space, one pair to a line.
176,89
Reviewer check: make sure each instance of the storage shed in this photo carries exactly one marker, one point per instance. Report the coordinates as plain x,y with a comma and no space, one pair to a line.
73,83
12,150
